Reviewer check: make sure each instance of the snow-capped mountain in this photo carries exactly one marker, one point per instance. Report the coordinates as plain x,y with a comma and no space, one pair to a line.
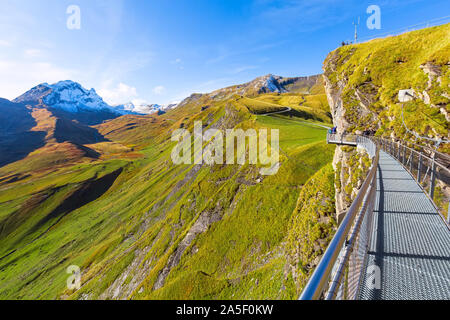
71,96
268,83
68,99
68,96
139,108
170,106
144,108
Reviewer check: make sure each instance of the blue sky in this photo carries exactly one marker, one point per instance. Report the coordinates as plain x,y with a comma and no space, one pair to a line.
161,51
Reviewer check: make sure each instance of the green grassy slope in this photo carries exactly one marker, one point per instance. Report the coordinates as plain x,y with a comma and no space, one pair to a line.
131,216
312,225
371,74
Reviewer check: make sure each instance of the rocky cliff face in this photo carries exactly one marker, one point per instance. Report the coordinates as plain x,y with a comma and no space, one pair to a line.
362,84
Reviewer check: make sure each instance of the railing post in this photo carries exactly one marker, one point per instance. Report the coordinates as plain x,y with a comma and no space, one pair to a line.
433,177
400,154
398,150
448,213
419,168
404,155
411,159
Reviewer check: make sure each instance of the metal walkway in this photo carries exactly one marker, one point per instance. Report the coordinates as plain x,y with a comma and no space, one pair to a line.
410,242
394,242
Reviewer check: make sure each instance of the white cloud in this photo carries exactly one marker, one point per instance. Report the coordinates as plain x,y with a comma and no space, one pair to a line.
32,53
176,61
18,76
159,90
141,106
138,102
4,43
122,93
242,69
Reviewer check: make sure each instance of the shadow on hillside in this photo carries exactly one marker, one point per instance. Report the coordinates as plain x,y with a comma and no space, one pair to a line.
77,133
302,114
85,117
16,139
89,191
18,146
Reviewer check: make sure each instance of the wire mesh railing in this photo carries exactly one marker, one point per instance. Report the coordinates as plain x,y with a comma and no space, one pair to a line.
338,274
429,170
347,276
353,140
421,25
349,139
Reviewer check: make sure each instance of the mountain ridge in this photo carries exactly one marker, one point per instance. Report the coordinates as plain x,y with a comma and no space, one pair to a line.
151,212
264,84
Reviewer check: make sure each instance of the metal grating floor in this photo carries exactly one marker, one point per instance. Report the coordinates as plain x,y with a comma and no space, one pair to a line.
410,241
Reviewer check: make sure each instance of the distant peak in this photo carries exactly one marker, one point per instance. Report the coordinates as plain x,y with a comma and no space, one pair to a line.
142,108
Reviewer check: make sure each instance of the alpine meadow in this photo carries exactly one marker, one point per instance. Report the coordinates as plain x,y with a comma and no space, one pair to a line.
318,180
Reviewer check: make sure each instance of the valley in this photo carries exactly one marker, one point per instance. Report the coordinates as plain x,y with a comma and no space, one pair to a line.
108,198
94,186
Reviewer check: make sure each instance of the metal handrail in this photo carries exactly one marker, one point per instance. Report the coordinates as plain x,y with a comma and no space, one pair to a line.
416,152
337,279
436,166
344,240
430,150
432,170
316,285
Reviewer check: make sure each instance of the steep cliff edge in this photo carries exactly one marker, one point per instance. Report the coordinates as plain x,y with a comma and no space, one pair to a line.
362,83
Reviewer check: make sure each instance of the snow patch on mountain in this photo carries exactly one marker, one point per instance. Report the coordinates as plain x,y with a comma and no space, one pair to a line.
145,108
139,108
72,97
269,83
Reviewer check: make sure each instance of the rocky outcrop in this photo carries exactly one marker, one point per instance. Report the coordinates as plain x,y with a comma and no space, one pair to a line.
348,180
351,166
362,84
200,226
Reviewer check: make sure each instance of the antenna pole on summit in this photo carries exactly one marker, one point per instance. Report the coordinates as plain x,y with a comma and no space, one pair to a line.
356,30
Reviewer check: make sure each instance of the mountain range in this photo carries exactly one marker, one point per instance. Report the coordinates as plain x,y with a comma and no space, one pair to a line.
89,185
62,115
105,172
84,105
69,99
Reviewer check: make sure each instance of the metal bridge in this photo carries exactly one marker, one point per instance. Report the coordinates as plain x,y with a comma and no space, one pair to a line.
394,242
